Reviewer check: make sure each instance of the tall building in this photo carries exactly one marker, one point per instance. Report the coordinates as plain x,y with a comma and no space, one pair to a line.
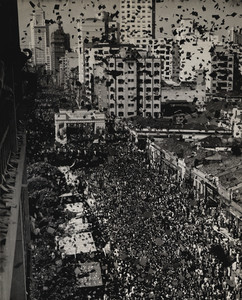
134,84
91,31
164,48
194,51
149,86
137,19
185,29
14,215
68,70
225,74
40,40
122,87
60,42
235,36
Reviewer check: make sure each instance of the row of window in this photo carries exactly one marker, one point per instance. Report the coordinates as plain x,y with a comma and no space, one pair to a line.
131,113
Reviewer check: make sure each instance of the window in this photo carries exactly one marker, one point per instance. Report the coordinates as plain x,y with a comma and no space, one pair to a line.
130,113
120,65
148,105
111,65
120,89
121,114
120,106
111,105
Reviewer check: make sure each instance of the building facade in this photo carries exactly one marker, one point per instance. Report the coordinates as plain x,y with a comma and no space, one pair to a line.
134,85
137,19
68,70
195,51
225,74
40,40
149,81
14,212
60,42
90,31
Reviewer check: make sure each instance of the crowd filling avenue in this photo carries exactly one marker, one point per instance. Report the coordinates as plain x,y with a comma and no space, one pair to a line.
121,150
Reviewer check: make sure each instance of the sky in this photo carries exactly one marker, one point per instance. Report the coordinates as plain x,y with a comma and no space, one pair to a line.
219,15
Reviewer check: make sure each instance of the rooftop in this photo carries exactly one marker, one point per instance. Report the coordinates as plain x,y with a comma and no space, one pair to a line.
184,150
232,178
228,164
165,123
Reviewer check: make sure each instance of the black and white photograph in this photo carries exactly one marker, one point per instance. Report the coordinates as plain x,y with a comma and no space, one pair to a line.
121,150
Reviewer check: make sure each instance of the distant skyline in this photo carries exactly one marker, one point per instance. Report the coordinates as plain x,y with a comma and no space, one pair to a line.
219,15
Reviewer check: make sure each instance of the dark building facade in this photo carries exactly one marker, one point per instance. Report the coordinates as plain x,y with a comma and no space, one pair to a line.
60,42
14,213
225,75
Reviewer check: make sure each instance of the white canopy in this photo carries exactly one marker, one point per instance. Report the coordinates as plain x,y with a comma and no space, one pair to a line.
78,243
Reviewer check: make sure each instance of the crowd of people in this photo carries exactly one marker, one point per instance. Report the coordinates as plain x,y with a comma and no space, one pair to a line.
162,243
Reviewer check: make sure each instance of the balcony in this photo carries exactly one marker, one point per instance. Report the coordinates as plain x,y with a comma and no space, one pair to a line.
14,216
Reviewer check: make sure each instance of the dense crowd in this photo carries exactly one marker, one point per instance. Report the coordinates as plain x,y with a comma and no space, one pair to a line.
163,245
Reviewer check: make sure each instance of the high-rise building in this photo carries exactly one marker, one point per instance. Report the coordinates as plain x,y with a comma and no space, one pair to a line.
235,36
164,48
122,87
149,86
134,84
40,40
68,70
91,31
225,74
194,51
137,19
60,42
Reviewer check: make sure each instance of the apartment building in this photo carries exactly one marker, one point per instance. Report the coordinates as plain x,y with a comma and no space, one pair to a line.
224,70
137,19
149,86
134,85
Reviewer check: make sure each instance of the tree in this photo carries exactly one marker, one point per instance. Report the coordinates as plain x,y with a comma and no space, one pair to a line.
217,114
236,150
